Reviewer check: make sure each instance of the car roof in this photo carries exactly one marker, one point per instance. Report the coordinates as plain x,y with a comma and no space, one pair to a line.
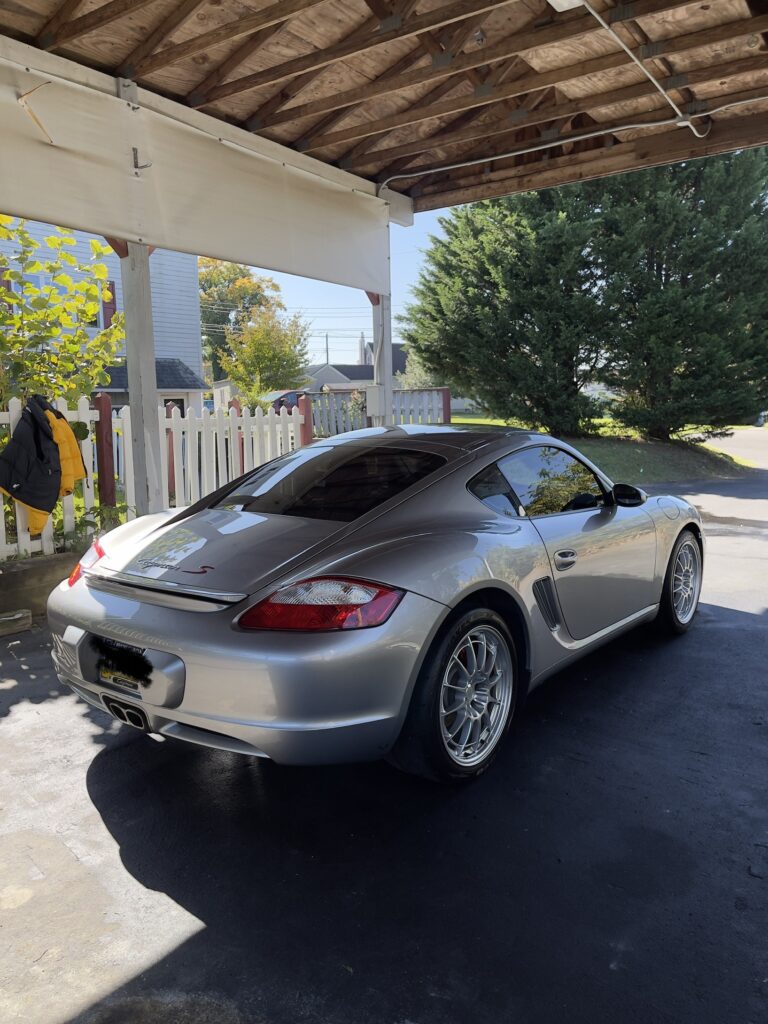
460,437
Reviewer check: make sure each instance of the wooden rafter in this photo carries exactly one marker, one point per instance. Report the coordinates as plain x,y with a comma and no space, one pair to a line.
64,12
68,31
535,81
199,95
524,116
454,37
560,137
445,15
442,89
663,148
297,85
556,136
531,102
267,16
561,30
491,78
563,137
181,13
479,150
452,44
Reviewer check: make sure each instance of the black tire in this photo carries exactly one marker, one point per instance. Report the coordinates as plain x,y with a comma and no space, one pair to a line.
669,619
421,748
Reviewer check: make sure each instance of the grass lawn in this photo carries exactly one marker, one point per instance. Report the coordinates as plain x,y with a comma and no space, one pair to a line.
629,459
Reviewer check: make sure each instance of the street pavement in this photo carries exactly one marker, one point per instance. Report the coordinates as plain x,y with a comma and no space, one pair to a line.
613,867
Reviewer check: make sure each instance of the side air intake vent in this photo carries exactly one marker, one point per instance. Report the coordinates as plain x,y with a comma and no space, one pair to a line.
545,598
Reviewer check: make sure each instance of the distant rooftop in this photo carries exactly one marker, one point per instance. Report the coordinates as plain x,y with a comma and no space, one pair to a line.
172,375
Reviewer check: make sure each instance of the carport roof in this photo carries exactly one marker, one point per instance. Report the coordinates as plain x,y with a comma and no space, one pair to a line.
397,87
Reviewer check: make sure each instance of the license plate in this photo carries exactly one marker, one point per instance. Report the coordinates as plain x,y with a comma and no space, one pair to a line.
120,664
112,677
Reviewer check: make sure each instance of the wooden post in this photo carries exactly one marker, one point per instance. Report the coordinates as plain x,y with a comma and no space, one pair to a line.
305,430
105,458
446,395
145,437
171,463
382,358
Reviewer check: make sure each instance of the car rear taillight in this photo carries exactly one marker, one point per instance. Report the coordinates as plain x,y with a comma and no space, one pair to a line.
324,603
89,559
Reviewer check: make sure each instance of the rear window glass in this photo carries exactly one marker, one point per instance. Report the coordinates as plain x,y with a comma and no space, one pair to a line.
340,483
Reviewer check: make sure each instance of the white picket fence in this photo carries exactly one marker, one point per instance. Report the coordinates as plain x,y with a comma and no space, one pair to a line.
334,412
48,541
205,450
201,452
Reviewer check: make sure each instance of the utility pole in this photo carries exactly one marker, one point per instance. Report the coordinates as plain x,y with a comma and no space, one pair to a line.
327,357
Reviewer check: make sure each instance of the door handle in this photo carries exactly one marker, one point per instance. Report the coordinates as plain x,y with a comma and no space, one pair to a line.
565,559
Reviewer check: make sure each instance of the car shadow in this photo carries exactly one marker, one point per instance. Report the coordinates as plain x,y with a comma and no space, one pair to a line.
585,861
27,676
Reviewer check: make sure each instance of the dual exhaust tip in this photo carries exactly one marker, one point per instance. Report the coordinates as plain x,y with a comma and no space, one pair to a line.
127,714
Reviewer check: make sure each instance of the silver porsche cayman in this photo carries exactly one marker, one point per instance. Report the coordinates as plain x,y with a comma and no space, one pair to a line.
392,592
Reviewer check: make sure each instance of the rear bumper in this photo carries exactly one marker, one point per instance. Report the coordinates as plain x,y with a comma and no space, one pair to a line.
295,698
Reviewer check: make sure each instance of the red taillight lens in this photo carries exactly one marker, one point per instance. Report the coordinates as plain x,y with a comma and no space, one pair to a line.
324,603
90,558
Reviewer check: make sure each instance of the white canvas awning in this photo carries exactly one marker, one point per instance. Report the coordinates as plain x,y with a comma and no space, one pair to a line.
151,170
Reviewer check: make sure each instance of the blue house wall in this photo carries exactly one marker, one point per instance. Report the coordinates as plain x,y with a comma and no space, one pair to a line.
175,295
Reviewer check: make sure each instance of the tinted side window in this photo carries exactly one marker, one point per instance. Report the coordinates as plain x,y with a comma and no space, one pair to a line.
340,483
492,488
548,480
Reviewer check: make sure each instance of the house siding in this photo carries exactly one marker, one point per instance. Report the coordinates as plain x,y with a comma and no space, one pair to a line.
175,294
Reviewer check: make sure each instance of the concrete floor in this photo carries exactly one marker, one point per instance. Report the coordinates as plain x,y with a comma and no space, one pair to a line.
612,868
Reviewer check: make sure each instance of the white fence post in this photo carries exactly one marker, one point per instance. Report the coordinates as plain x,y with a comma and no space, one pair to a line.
130,489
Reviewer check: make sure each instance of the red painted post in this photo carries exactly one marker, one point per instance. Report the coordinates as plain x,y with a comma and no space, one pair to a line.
105,458
446,394
304,406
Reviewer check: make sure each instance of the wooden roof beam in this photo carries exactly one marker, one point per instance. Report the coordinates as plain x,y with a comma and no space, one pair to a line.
541,80
455,40
559,30
294,87
46,37
652,151
266,17
199,95
524,116
531,103
452,45
181,13
68,31
512,154
446,14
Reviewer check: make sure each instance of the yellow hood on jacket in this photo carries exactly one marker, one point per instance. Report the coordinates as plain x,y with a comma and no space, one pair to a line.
72,470
72,467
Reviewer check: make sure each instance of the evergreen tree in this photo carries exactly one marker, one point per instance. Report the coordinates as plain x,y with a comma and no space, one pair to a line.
507,310
653,283
683,255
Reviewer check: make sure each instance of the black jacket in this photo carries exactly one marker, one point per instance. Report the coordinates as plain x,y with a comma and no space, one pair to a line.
30,468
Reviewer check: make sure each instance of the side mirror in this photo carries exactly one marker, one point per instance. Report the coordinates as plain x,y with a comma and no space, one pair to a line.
628,495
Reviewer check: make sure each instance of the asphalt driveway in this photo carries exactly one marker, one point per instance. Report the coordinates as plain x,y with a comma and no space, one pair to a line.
612,868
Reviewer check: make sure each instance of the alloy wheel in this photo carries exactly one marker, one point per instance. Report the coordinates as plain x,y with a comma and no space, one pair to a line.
686,581
476,695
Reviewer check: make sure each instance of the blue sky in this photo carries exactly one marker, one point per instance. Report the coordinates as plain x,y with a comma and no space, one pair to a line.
344,312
